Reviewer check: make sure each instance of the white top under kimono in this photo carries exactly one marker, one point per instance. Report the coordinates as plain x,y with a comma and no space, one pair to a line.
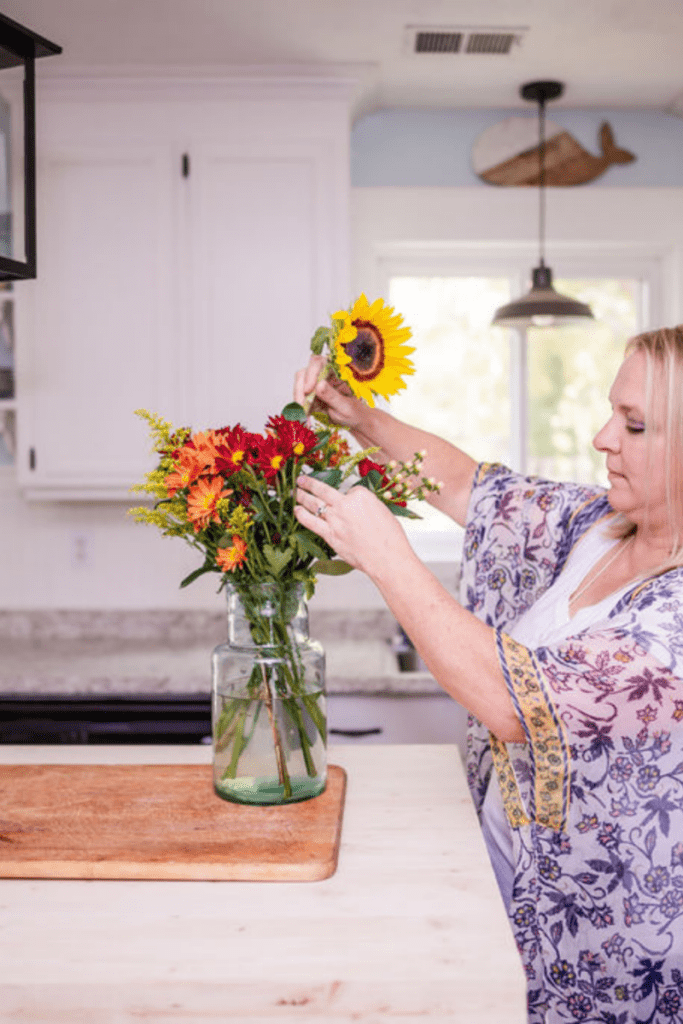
546,622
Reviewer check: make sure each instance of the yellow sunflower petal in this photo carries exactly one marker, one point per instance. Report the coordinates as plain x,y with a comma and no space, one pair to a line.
370,348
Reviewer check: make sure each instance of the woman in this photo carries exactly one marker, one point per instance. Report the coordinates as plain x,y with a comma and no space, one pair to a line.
569,656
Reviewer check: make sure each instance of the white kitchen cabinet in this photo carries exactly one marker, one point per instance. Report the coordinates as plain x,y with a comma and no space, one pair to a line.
395,718
103,342
191,238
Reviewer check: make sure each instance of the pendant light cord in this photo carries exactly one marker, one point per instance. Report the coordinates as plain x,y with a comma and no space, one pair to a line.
541,180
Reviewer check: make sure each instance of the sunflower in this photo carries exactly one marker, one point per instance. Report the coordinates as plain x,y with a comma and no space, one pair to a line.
369,349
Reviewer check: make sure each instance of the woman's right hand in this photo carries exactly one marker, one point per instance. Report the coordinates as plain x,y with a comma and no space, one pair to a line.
336,399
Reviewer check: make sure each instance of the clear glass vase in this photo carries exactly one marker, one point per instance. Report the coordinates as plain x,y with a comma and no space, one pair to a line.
268,699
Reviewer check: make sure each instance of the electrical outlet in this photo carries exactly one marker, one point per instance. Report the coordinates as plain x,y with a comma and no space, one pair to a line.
80,550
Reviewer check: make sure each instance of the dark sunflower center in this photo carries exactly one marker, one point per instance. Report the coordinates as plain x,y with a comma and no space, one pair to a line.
366,351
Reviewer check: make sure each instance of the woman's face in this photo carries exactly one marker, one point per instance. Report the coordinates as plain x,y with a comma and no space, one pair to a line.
635,449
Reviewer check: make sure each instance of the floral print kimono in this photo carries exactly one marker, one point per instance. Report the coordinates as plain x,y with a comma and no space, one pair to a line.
595,795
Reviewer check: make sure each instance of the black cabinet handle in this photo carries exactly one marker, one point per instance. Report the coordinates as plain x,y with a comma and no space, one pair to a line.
355,732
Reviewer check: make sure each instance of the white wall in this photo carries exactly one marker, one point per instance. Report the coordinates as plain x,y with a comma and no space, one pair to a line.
130,566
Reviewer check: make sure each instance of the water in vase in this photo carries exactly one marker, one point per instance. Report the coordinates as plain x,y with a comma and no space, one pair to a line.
269,751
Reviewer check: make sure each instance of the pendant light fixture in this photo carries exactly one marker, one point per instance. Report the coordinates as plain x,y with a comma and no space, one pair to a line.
542,306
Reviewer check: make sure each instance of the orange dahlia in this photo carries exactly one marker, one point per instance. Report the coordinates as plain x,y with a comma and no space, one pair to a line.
229,559
187,469
202,501
204,445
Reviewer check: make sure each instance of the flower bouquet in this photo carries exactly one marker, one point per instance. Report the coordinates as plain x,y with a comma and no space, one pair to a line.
230,494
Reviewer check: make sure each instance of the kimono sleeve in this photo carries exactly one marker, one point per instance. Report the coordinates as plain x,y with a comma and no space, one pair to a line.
518,532
588,702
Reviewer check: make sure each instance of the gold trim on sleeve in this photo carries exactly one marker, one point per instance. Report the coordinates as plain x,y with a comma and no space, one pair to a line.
509,790
548,741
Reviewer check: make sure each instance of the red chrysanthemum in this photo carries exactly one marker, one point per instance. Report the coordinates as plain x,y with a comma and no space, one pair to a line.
365,466
270,457
235,447
295,438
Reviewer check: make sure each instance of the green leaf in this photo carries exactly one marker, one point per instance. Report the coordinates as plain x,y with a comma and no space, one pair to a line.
207,567
331,567
262,510
324,438
371,480
399,511
289,603
319,340
308,545
294,412
277,560
333,477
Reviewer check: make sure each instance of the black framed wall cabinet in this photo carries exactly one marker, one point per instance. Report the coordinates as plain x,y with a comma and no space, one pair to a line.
19,49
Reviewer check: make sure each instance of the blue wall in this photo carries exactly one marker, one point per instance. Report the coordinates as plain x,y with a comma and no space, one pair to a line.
411,147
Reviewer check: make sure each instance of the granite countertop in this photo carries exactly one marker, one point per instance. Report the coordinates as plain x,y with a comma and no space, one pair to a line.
169,652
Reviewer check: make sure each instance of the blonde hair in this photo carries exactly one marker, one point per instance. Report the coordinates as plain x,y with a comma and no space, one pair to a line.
663,351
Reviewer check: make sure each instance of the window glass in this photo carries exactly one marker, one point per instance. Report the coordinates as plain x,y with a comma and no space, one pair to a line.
468,375
461,386
570,372
460,389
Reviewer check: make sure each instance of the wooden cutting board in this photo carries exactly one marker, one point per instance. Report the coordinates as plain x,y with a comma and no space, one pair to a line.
159,822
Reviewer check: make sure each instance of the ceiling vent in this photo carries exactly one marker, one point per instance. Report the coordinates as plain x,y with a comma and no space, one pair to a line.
465,40
437,42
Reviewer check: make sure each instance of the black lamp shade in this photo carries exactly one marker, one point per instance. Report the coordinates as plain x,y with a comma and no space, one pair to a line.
19,49
542,306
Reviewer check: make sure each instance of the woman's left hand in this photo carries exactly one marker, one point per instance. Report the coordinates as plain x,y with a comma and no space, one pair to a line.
357,525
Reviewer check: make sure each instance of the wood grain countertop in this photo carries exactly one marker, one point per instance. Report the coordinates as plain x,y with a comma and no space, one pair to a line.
410,926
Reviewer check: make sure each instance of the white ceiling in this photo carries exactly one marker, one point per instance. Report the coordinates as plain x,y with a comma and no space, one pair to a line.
609,53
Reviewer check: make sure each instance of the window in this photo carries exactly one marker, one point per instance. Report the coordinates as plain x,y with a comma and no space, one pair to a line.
570,372
533,402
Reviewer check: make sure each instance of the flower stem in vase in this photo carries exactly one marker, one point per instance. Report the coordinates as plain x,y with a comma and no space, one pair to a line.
282,773
291,707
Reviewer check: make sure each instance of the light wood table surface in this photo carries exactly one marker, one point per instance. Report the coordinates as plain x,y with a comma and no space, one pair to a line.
410,927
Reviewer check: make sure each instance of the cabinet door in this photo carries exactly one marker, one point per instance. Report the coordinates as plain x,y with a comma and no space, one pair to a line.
396,718
104,339
265,264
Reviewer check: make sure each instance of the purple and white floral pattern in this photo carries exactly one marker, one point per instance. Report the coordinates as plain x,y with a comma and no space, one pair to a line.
596,792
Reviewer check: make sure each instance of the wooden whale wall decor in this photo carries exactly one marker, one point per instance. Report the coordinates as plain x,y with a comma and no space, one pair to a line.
508,154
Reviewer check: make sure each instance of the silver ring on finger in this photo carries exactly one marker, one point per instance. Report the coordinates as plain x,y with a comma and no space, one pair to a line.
320,511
